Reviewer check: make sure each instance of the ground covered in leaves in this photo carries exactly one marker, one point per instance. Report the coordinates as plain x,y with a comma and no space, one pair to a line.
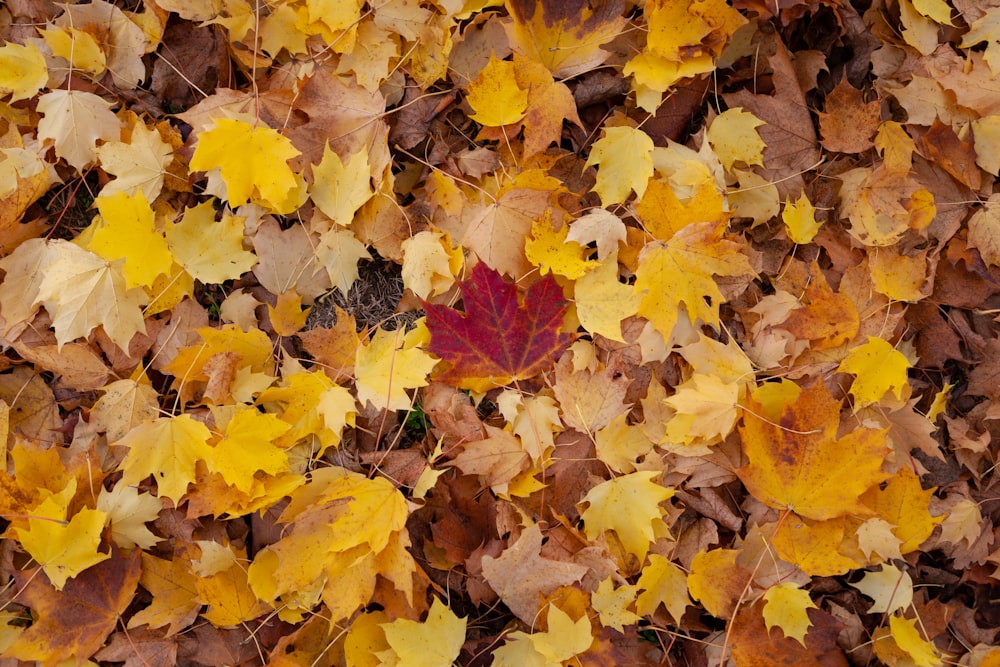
420,332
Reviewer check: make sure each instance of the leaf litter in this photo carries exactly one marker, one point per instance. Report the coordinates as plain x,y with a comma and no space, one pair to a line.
506,333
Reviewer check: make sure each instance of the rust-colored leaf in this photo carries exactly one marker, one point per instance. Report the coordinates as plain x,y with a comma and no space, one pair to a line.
74,622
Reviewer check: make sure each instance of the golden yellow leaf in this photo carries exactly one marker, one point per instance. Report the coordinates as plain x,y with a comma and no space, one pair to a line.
630,506
625,158
22,70
168,449
128,232
78,47
253,161
386,367
800,220
879,368
679,274
435,641
662,582
210,251
339,187
549,250
734,138
798,463
785,606
248,447
495,96
63,548
890,588
603,301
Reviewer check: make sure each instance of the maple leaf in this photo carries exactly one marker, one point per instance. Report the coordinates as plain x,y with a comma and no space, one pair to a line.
800,220
248,446
498,340
77,47
797,462
74,121
612,604
140,163
495,96
128,232
520,575
630,506
210,251
127,512
75,621
879,368
903,641
341,187
63,548
166,448
565,36
82,291
564,639
785,606
389,365
22,70
680,273
253,161
890,588
733,136
662,582
603,301
435,641
625,157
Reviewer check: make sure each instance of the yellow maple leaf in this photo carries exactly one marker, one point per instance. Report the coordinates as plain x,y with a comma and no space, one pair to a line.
23,71
386,367
625,158
247,447
253,161
905,505
879,368
901,277
630,506
612,604
127,231
785,606
435,641
63,548
210,251
734,138
800,220
662,582
662,213
902,641
140,163
549,250
231,602
495,96
287,315
82,291
814,546
339,187
78,47
564,639
706,411
430,263
313,405
564,36
603,301
168,449
679,273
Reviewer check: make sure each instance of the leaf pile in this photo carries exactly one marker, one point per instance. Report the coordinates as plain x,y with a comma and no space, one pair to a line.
700,351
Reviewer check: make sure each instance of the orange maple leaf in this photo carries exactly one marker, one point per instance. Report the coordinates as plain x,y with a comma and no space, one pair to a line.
798,463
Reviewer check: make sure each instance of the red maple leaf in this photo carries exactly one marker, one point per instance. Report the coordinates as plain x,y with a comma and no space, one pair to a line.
498,339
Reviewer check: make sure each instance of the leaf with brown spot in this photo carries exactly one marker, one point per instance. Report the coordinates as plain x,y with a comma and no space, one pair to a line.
74,623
